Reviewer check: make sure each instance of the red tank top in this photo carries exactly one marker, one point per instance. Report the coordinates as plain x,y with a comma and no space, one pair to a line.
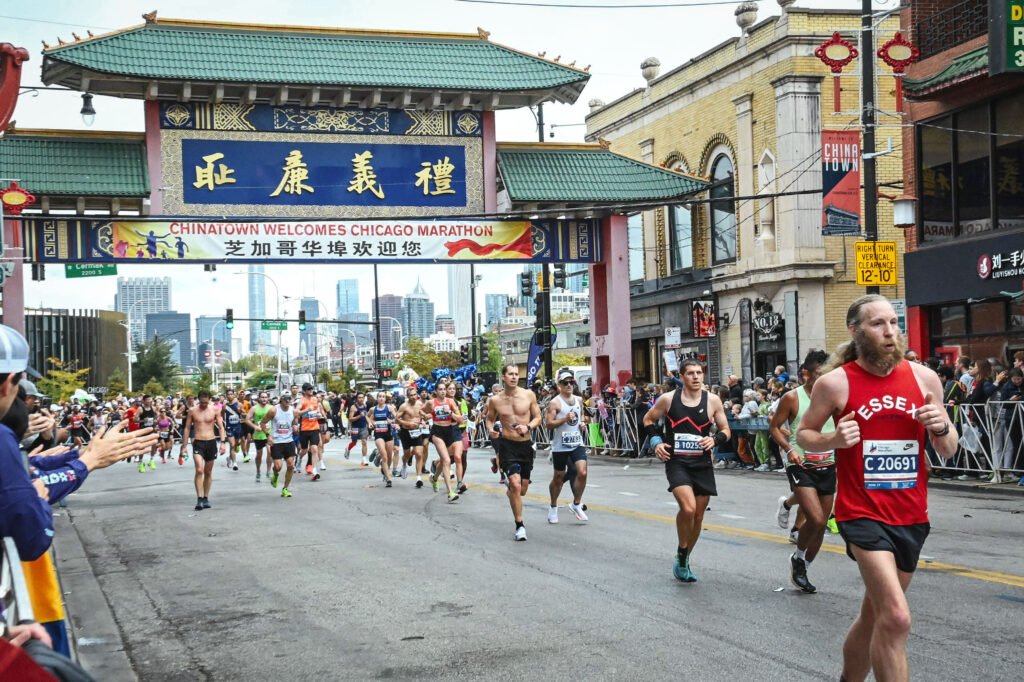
883,477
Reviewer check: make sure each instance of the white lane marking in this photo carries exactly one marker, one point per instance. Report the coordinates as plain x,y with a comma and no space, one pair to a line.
630,494
593,485
732,516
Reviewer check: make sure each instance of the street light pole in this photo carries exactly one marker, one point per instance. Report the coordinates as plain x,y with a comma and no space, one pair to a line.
867,120
277,313
376,318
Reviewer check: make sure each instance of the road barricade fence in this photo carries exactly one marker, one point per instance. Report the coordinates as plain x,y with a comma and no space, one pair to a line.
991,442
13,590
616,431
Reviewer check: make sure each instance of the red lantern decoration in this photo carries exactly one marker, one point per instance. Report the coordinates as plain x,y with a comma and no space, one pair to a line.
836,53
15,199
898,53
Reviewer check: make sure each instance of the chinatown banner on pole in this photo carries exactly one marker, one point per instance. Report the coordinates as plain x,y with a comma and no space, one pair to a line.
840,182
192,240
536,356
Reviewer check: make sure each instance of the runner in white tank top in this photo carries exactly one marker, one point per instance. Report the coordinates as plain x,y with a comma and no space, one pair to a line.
282,441
564,416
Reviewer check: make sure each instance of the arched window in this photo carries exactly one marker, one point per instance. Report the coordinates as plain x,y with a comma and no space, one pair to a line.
723,211
680,220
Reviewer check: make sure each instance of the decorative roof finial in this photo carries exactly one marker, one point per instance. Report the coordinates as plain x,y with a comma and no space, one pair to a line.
150,17
484,35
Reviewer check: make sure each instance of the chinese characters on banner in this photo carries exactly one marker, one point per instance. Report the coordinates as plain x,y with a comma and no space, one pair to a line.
840,182
292,173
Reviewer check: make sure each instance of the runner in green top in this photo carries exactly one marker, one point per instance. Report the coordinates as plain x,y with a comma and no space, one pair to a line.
259,436
812,475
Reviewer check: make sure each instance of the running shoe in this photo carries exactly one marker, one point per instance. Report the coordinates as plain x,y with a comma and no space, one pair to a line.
419,483
245,459
323,465
373,457
521,534
433,467
680,571
832,526
273,479
152,464
316,477
405,471
206,503
142,468
199,505
163,460
552,514
285,492
258,477
494,465
234,466
782,514
433,482
347,453
762,467
577,510
453,497
794,535
388,484
309,468
798,574
394,473
462,489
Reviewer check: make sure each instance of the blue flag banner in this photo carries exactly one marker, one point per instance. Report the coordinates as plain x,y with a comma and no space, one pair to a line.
537,355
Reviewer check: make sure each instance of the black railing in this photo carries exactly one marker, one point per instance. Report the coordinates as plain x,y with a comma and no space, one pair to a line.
951,27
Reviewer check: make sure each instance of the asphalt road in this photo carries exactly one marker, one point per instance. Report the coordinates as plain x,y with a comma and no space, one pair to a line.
349,580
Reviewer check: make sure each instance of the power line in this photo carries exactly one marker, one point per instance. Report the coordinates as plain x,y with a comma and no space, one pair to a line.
55,23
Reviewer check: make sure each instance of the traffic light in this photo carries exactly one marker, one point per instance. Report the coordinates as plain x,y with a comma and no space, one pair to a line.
385,373
525,285
229,319
210,267
302,320
485,352
38,272
559,278
464,353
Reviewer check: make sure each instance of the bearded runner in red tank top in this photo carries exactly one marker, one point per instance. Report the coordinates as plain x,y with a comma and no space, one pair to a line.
883,408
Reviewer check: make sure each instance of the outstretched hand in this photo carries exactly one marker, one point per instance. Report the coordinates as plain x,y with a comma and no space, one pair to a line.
117,444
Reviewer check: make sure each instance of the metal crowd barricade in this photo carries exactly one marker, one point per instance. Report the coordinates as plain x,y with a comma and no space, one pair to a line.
16,603
991,436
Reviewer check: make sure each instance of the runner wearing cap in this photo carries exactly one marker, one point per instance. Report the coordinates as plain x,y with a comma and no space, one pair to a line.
564,416
310,411
885,410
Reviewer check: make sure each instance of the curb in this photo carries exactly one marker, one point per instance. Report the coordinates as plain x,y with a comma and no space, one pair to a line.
91,626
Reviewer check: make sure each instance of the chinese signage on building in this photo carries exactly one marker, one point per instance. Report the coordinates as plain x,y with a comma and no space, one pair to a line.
1001,265
259,241
840,182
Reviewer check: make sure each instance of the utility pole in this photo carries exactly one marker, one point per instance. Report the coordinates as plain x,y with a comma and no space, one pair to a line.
376,318
867,121
545,291
474,355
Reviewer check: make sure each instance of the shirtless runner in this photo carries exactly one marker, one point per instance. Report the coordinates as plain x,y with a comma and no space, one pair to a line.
203,417
517,410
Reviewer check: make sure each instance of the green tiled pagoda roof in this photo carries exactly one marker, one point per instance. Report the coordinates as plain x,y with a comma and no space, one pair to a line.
969,64
174,49
58,164
574,173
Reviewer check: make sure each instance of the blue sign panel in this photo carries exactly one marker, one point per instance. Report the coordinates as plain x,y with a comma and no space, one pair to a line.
322,173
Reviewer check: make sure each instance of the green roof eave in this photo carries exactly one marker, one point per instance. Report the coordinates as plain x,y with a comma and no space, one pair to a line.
967,65
544,173
51,164
180,50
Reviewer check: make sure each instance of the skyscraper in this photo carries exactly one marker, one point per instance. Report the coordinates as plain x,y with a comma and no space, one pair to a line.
176,327
459,297
418,317
136,297
259,340
576,284
309,338
348,297
495,305
390,311
211,336
444,323
348,309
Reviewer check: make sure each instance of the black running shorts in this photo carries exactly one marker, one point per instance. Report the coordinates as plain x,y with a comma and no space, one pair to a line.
449,434
307,438
905,542
260,444
282,450
515,457
408,440
205,448
699,475
561,458
382,435
822,479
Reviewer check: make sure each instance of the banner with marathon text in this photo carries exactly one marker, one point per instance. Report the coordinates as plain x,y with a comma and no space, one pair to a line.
190,240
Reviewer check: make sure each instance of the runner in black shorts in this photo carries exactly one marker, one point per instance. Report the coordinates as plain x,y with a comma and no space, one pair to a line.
206,448
690,413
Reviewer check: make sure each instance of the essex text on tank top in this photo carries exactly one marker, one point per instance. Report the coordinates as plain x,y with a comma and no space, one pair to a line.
380,419
686,426
258,414
567,436
310,414
883,477
811,460
282,423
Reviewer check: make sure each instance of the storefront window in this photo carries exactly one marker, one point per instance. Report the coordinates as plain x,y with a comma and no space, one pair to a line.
1009,171
723,211
972,170
681,219
635,243
1017,315
950,321
936,180
988,317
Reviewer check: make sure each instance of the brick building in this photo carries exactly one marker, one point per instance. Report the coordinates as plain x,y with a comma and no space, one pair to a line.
757,273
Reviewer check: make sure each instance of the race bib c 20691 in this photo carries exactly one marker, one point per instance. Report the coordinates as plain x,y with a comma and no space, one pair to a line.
890,464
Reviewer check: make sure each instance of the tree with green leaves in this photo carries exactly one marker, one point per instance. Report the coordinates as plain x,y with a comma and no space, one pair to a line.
203,382
495,358
323,377
62,380
154,387
261,379
116,384
153,361
565,359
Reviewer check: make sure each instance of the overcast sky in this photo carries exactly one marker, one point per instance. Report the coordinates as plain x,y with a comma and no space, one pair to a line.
613,41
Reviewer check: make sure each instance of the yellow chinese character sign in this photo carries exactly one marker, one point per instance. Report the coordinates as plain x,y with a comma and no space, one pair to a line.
441,175
364,178
210,176
295,174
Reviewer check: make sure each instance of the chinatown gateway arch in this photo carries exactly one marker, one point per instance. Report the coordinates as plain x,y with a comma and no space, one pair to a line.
298,144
